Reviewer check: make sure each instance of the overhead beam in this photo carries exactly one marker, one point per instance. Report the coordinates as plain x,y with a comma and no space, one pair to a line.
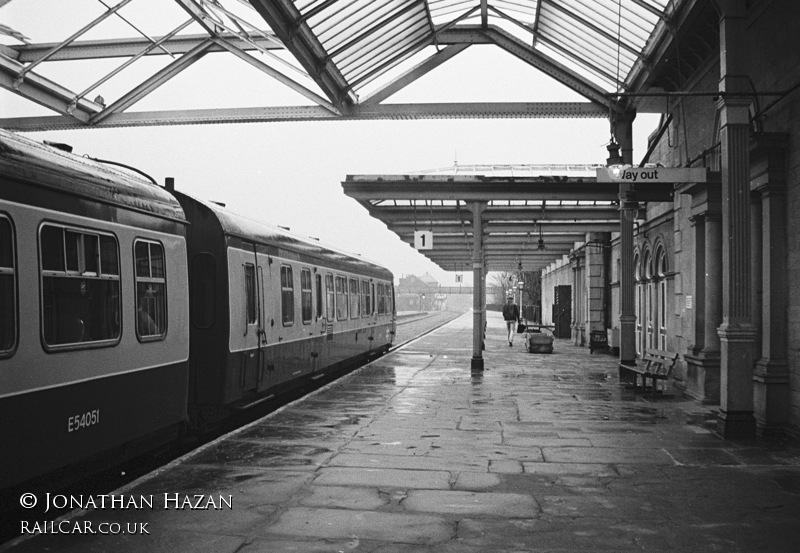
53,94
559,228
586,213
128,47
480,188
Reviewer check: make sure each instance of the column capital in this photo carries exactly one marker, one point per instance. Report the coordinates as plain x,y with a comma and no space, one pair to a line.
737,332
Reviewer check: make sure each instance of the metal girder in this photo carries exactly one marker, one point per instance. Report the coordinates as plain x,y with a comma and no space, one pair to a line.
549,66
585,213
266,114
283,17
277,75
497,240
480,188
155,81
560,228
413,74
479,110
46,93
128,47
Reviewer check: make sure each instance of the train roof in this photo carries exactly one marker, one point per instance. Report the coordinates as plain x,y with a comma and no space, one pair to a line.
256,231
56,169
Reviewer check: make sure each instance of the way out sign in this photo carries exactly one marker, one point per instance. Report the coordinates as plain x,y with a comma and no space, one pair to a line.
628,173
423,240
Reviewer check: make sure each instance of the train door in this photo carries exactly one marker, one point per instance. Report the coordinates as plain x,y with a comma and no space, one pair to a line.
263,315
253,330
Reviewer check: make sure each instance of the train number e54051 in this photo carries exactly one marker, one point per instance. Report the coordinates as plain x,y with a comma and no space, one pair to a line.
89,418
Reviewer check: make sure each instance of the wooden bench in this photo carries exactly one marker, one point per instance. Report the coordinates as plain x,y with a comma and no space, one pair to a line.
657,366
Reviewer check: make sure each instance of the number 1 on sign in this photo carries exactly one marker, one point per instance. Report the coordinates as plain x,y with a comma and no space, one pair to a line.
423,240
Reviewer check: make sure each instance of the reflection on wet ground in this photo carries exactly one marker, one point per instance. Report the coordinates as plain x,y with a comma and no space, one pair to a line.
415,453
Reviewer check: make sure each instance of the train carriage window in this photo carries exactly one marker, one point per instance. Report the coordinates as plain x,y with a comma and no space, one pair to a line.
355,301
374,300
306,305
250,292
330,301
8,308
381,299
151,290
318,283
202,296
80,286
366,310
389,299
287,295
341,298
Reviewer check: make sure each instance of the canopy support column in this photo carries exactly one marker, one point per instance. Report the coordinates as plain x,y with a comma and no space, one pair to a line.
737,333
479,288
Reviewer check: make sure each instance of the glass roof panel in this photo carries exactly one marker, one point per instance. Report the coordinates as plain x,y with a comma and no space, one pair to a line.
379,39
444,11
600,40
520,9
397,39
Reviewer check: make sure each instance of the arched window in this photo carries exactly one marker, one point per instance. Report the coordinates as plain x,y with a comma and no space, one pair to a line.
649,311
661,272
638,302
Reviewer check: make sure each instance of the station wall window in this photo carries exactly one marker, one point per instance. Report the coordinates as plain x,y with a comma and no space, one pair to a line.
320,300
366,299
81,301
330,297
355,301
250,293
341,298
287,295
306,304
8,276
203,295
151,290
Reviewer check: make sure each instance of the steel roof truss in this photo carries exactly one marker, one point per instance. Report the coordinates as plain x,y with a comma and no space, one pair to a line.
548,66
277,75
413,74
155,81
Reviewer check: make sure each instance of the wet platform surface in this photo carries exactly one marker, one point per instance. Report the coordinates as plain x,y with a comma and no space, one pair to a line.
413,453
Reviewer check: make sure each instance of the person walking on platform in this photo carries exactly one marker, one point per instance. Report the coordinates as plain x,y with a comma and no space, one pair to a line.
511,316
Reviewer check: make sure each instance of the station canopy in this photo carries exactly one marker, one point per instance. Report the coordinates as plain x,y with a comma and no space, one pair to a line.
531,215
341,58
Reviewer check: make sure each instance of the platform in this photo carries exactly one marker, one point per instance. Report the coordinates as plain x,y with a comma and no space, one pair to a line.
413,453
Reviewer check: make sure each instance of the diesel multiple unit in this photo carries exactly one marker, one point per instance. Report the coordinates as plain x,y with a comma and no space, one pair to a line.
129,312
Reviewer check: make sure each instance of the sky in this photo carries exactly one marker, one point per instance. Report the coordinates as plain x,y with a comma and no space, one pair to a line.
290,174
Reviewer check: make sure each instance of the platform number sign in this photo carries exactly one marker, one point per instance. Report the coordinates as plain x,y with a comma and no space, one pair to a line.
423,240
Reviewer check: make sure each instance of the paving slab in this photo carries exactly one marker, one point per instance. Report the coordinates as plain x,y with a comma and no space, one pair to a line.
415,453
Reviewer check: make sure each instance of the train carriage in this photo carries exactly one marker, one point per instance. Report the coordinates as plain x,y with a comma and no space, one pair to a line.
93,307
129,311
271,309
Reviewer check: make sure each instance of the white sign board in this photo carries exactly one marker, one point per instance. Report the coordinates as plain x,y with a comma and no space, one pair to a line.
629,173
423,239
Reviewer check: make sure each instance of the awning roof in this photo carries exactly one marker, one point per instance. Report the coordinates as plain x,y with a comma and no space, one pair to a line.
360,47
344,58
533,214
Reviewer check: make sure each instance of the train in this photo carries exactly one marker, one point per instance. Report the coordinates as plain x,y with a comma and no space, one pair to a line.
131,313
